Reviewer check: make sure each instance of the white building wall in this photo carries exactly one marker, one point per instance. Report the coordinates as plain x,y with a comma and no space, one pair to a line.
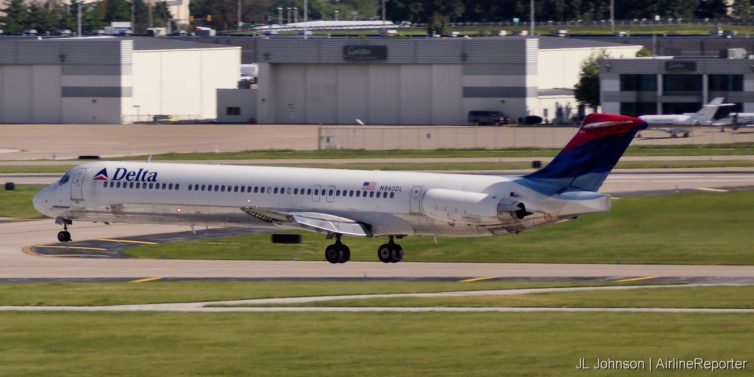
180,83
91,110
244,99
321,94
560,68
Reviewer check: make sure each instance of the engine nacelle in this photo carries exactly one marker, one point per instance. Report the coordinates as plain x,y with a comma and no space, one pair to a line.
470,207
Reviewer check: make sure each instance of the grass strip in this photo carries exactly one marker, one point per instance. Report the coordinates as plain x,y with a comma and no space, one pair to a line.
155,292
361,344
698,228
18,203
736,297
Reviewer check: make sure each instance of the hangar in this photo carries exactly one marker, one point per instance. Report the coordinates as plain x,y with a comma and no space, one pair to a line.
419,80
112,80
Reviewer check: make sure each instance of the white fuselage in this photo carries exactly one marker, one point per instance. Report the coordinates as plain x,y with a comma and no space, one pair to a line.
386,203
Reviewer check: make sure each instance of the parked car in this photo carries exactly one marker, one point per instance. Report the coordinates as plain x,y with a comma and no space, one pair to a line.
478,117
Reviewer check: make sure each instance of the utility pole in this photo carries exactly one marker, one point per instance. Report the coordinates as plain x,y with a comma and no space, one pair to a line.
531,16
383,11
151,20
78,19
238,15
133,17
612,16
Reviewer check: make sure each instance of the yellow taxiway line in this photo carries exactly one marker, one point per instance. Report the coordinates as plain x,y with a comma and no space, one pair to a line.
145,280
478,279
710,189
636,279
127,241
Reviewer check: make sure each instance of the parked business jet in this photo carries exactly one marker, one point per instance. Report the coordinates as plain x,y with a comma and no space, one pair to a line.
675,124
347,202
735,121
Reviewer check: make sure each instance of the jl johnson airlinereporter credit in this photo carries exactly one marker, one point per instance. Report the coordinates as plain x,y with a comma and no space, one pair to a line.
662,364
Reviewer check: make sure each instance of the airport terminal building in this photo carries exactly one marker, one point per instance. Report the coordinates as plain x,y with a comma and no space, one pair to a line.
673,85
112,80
417,81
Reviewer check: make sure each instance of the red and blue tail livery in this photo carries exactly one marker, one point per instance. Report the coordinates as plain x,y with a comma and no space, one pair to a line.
588,158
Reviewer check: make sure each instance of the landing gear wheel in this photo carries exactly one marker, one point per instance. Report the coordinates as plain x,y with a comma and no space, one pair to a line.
333,254
390,252
397,254
337,252
64,236
384,253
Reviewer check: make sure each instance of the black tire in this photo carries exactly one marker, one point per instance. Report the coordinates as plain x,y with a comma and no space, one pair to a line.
64,236
384,253
333,254
396,254
345,254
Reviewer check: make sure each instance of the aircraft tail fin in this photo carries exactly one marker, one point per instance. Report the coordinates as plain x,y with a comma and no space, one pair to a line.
588,158
708,111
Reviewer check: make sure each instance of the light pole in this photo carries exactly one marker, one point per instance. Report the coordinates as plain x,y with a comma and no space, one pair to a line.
280,16
336,14
295,15
531,16
238,15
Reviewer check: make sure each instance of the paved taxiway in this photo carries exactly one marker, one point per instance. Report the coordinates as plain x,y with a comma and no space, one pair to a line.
14,264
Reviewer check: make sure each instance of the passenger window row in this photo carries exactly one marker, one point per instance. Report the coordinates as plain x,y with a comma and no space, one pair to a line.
142,185
252,189
291,191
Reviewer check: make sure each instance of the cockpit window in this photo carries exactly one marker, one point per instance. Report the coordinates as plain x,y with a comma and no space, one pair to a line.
65,178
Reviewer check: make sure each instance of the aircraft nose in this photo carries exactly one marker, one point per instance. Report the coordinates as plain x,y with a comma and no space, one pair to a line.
40,200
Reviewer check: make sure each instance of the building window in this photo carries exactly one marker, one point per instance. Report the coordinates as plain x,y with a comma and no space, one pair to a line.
680,107
636,109
638,83
231,110
726,83
682,83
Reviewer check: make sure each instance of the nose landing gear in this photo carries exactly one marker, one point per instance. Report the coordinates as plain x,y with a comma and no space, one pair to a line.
64,235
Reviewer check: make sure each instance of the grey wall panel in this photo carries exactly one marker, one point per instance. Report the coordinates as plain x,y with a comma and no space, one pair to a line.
495,69
384,87
437,51
507,50
353,93
416,94
97,91
17,93
47,104
290,93
447,104
93,69
497,92
321,94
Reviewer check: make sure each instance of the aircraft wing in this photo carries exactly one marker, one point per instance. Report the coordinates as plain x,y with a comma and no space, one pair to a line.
317,221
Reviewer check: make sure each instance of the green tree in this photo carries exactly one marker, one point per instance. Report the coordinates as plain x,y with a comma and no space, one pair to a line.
743,10
40,19
224,12
116,10
15,17
588,88
712,9
438,24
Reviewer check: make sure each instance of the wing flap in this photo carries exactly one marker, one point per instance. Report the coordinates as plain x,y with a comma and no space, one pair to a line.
330,223
317,221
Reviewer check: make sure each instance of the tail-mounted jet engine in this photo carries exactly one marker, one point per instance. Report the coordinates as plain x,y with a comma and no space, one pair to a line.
471,207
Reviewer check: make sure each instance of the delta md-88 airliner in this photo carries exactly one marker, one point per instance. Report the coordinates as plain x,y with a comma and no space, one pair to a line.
346,202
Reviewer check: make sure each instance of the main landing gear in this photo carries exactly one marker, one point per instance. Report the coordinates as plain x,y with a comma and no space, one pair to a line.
64,235
337,252
390,252
340,253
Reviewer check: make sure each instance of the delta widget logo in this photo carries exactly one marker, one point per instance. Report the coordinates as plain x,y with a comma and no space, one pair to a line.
123,174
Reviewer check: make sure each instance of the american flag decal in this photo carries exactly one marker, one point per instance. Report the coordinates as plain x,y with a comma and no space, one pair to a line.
369,186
